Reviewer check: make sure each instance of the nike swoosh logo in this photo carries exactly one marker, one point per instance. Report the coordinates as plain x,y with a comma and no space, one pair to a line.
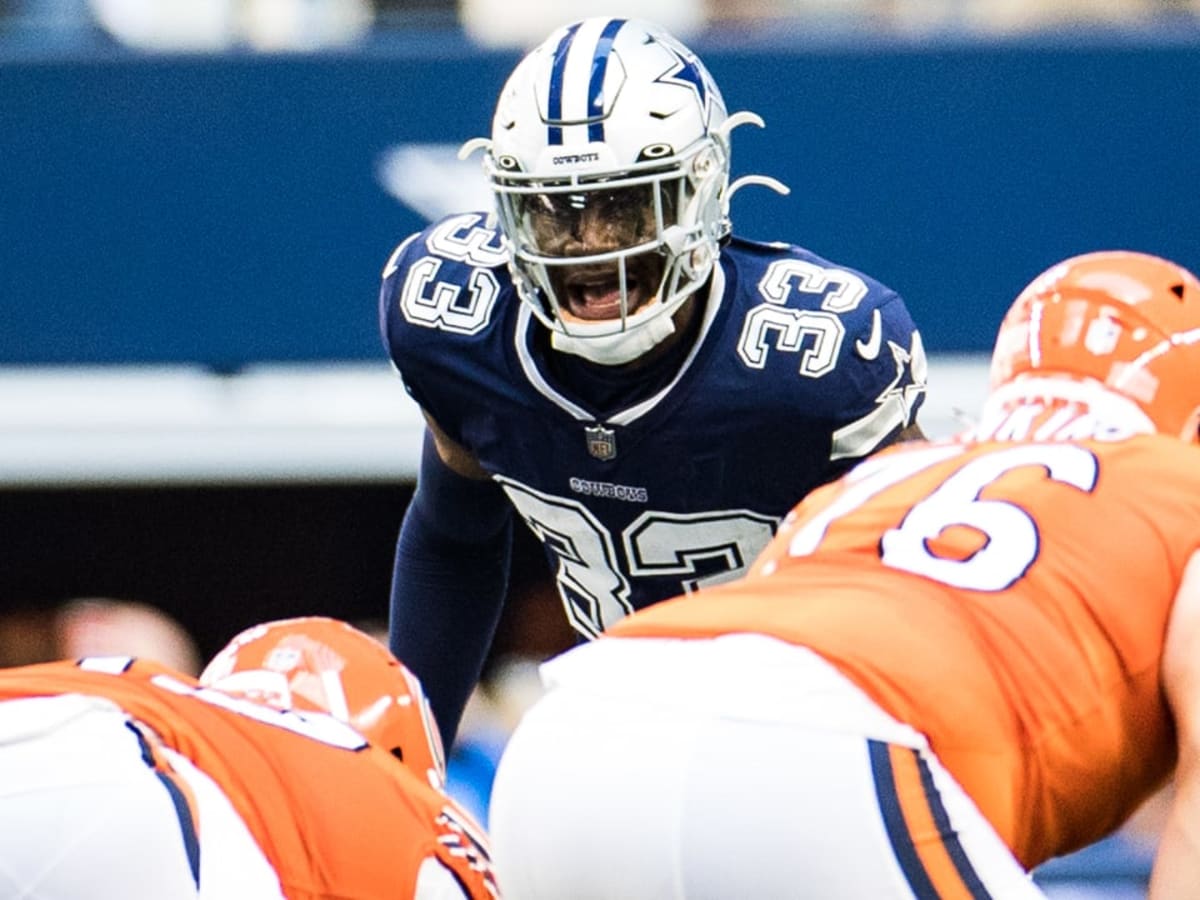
870,349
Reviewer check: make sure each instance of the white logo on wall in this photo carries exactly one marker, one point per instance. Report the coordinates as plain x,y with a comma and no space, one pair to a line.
432,181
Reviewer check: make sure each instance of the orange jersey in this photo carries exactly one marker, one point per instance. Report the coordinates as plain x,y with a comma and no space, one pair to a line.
335,816
1008,600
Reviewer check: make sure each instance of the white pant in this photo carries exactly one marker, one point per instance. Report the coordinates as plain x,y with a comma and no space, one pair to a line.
729,768
84,817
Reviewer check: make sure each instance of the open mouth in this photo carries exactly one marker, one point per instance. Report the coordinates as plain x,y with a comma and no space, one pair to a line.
595,295
598,298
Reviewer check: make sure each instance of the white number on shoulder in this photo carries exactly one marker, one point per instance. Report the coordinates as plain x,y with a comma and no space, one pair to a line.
451,305
816,334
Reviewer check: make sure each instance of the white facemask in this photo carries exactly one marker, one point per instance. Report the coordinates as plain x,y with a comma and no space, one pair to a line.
615,349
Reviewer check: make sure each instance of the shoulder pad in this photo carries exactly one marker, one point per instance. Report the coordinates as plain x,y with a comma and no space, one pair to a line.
468,238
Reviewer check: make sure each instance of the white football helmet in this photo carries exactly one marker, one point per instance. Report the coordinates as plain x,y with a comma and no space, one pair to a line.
612,127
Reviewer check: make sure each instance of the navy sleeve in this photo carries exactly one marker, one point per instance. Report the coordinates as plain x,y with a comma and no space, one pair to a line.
449,583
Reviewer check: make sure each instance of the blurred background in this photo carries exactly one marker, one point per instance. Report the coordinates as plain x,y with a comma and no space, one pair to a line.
197,418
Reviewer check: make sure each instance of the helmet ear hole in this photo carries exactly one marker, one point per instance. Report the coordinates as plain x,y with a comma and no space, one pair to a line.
1177,290
655,151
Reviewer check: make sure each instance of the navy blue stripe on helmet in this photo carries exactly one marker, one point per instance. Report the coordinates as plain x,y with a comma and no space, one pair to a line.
595,109
554,134
893,820
950,841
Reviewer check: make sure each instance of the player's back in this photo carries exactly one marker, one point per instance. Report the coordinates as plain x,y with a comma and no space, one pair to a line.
1007,599
335,816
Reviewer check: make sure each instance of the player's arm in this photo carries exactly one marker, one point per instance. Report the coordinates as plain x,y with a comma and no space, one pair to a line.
1177,865
450,575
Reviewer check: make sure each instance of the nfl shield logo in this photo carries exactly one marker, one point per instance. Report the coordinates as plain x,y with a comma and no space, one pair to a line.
601,442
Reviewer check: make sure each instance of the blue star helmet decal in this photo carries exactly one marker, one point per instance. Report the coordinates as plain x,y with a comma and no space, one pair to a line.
686,73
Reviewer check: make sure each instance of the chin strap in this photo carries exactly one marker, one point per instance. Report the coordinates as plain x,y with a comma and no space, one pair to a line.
614,349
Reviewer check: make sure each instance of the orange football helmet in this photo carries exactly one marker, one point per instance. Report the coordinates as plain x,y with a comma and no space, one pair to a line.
1130,321
318,664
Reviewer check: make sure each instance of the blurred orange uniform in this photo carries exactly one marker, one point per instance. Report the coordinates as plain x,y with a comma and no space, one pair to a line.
1029,655
334,815
968,656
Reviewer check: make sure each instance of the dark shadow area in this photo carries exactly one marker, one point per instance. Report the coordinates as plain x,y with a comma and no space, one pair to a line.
221,558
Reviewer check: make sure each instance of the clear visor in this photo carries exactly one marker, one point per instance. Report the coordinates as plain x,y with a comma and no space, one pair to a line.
572,221
597,257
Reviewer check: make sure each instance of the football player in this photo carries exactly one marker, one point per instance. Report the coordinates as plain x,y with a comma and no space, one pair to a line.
600,354
964,658
302,764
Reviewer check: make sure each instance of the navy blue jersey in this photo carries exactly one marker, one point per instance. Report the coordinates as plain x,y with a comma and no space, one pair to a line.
801,368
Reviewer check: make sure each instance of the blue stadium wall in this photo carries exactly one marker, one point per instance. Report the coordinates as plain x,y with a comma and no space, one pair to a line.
227,210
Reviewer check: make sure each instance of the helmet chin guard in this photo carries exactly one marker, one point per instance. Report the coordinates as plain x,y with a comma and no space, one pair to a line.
615,348
609,160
